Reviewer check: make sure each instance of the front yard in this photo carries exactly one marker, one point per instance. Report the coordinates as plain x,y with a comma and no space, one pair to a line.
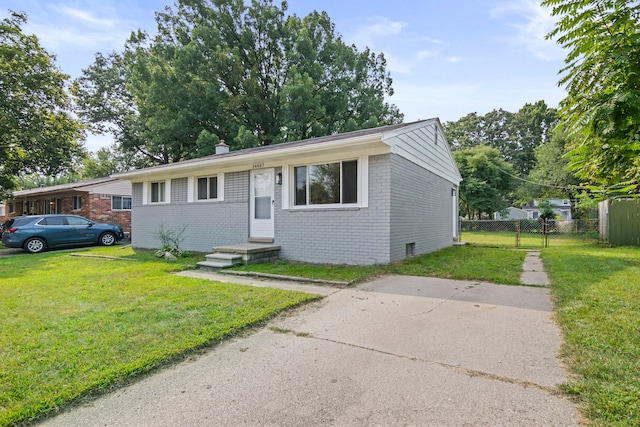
72,327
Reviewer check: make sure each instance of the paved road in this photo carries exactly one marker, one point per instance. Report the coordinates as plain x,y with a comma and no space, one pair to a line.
396,351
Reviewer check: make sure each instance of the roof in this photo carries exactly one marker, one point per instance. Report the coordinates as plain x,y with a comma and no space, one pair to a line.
81,186
307,145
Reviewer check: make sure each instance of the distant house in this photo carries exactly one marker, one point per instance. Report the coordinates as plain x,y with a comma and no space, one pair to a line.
367,197
561,207
511,213
101,200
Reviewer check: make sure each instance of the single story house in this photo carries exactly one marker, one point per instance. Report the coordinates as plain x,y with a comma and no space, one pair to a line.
101,200
366,197
561,207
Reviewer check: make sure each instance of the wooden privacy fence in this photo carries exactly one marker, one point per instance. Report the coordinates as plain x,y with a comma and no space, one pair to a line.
620,222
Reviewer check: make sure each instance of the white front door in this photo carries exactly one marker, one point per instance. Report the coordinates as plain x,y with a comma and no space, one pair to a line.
262,202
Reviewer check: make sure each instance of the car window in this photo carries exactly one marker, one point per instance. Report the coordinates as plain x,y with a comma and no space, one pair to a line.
23,220
76,220
53,220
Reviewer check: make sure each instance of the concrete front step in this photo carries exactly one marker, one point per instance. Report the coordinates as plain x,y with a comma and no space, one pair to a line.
234,258
217,261
215,265
244,253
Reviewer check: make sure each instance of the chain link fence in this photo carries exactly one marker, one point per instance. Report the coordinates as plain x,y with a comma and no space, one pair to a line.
528,232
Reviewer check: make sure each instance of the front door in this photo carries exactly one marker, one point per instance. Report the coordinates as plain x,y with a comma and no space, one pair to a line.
262,202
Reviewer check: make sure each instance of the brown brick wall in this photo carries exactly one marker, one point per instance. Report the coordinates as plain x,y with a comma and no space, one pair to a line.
96,207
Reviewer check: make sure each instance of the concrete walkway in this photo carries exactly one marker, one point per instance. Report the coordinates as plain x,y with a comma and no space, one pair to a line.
395,351
533,270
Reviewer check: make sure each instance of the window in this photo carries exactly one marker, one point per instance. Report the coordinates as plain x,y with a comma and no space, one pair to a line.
53,220
326,184
158,192
58,206
207,188
119,203
76,220
48,203
77,203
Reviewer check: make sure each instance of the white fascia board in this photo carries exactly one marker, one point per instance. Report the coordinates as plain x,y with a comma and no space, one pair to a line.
266,158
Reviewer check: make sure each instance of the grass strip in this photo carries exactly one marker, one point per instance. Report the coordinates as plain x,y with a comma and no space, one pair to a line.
597,294
70,326
457,262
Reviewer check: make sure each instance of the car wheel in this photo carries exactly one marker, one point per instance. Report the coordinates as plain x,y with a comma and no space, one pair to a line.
107,239
35,245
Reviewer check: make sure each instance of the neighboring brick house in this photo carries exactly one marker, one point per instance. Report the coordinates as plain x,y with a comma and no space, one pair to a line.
366,197
100,200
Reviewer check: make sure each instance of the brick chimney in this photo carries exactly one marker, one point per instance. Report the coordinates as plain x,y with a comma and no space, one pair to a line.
222,148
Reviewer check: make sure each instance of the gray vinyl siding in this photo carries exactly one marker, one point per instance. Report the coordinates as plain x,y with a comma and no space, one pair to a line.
421,209
427,147
354,236
208,224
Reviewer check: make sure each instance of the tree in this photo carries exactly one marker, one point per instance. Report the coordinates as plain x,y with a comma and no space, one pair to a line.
486,181
104,163
515,135
551,170
38,134
226,70
546,210
602,75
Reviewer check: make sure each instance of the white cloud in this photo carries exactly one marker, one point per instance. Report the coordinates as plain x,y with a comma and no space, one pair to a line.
530,22
84,17
375,28
454,59
404,49
67,29
425,54
432,40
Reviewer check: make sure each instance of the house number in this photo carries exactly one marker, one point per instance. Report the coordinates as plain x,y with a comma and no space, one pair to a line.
258,165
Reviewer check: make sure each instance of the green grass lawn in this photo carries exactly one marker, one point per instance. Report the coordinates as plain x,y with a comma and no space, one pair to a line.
458,262
597,293
466,263
71,326
507,239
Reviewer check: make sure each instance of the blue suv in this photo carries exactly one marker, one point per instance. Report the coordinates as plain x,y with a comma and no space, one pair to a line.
37,233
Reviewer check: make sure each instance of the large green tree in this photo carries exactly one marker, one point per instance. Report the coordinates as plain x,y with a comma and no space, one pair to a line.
515,135
487,181
602,76
551,177
248,74
37,132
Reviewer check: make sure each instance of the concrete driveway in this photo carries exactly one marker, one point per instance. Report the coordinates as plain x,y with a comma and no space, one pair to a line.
397,351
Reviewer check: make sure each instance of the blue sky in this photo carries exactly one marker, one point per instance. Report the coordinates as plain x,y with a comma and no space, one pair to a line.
447,58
